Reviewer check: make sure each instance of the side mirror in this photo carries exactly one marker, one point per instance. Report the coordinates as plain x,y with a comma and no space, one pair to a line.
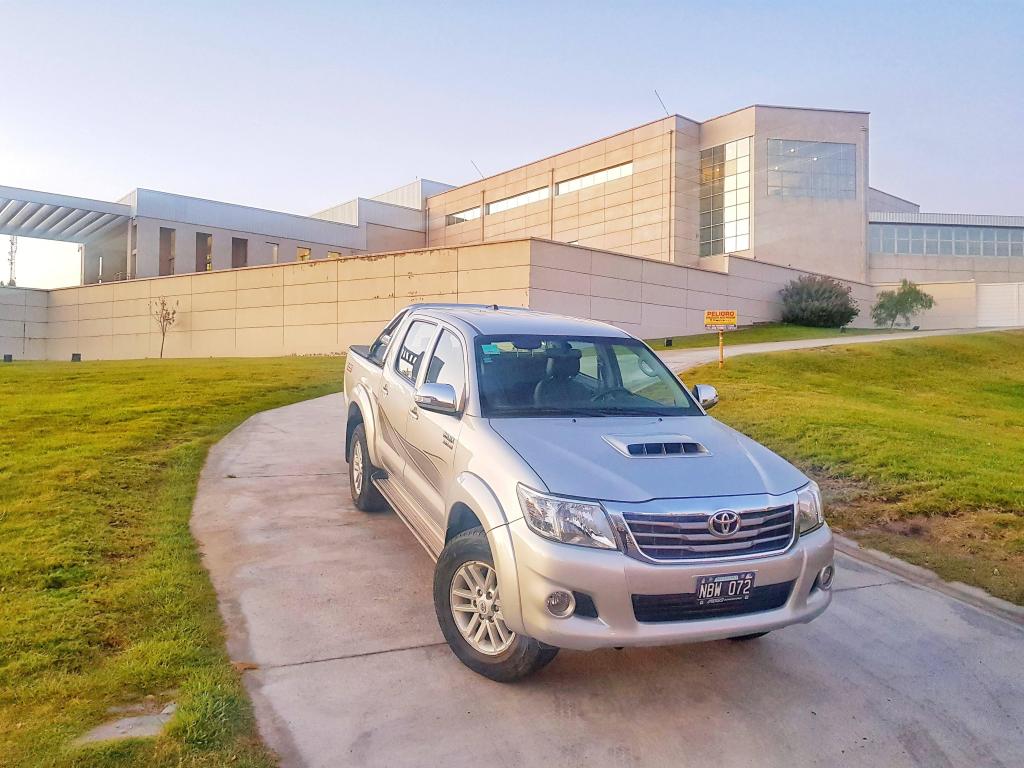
706,395
440,398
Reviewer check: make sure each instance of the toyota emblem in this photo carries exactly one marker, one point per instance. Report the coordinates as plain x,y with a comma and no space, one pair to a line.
724,523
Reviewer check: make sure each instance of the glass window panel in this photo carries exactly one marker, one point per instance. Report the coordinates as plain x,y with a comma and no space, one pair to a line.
729,228
729,244
743,227
730,167
931,247
717,201
988,248
742,147
705,219
729,213
705,248
730,198
917,246
960,247
716,232
742,164
1017,249
1016,235
888,245
730,150
742,180
730,183
1002,249
1003,235
945,248
743,211
719,153
716,246
716,216
742,242
705,204
743,195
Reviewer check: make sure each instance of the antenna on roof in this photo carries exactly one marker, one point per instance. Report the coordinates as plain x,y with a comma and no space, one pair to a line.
477,169
662,103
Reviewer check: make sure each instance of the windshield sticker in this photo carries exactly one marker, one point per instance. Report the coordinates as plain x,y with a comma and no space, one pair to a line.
490,349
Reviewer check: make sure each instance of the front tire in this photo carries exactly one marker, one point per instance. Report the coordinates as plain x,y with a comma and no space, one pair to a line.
468,608
365,495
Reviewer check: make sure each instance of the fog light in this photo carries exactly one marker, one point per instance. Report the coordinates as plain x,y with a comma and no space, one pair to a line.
560,604
825,577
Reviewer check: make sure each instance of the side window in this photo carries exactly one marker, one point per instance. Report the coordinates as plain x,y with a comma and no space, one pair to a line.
379,348
589,361
447,365
410,354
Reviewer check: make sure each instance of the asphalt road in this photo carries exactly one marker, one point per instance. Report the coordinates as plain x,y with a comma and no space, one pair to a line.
333,606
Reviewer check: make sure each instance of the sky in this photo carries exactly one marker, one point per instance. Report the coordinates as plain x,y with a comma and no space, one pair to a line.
301,105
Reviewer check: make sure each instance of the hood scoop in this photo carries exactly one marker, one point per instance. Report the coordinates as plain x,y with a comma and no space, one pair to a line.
660,446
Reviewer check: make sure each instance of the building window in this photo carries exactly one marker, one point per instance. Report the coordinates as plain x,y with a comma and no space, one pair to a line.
239,252
930,240
516,201
725,198
334,254
302,253
590,179
461,216
204,252
273,252
167,237
820,169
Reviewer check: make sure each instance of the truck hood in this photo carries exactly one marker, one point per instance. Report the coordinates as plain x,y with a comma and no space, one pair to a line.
589,458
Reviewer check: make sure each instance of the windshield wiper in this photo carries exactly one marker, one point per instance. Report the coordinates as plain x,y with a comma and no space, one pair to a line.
567,413
614,411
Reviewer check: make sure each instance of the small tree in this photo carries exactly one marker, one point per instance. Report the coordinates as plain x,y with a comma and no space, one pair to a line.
905,302
165,315
818,301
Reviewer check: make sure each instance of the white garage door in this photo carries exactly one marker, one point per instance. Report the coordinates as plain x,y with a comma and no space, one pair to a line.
999,304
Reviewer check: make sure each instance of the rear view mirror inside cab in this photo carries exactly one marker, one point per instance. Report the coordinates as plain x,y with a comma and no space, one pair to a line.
526,342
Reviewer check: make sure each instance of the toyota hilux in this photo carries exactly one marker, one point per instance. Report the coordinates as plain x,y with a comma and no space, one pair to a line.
572,492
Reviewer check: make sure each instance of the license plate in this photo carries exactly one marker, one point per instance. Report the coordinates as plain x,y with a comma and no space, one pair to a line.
724,587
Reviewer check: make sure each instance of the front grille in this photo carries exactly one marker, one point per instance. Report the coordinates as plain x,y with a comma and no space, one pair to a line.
684,607
686,536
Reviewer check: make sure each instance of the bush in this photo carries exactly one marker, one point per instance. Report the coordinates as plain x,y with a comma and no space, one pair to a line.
818,301
905,302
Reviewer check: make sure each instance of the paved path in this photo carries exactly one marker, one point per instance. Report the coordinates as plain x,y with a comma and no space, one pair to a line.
681,359
334,607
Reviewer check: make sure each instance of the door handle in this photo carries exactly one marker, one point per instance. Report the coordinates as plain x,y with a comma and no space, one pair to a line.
384,389
414,412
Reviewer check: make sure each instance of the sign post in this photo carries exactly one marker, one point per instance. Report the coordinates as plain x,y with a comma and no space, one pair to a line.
720,320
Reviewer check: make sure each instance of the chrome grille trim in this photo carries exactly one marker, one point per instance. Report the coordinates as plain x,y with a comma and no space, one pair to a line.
667,537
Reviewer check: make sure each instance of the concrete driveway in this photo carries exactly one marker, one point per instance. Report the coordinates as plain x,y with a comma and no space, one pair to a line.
333,606
682,359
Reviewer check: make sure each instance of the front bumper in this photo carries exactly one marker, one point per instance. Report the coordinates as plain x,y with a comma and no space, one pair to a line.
611,579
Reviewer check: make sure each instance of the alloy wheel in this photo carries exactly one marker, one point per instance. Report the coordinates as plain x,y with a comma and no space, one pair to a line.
476,607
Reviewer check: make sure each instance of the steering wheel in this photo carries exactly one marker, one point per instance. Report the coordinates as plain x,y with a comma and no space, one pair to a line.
608,393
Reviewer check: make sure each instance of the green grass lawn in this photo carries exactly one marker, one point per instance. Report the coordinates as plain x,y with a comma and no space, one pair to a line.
103,599
756,334
918,445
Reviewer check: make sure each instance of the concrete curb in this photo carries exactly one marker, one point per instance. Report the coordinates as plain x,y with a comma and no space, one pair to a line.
923,577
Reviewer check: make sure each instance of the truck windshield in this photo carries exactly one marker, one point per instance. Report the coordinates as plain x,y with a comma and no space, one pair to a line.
575,376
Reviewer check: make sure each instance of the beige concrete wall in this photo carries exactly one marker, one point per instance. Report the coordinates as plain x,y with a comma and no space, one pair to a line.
919,268
630,215
650,299
23,328
316,307
321,307
955,305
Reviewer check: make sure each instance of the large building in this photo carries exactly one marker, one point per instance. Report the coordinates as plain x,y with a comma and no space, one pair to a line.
644,229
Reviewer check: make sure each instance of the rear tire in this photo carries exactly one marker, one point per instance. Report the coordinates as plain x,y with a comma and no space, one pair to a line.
360,469
465,573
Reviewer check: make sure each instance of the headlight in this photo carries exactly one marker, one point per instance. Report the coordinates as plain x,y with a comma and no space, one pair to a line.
808,508
567,520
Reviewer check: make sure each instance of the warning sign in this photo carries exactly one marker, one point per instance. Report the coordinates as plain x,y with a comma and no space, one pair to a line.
719,319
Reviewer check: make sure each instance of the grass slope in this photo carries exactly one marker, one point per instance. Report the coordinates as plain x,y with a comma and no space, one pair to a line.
103,599
919,445
756,334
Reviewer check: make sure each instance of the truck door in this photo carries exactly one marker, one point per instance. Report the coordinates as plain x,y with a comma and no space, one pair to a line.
395,397
433,436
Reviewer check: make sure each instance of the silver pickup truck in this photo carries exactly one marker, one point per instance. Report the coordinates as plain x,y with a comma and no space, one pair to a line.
572,492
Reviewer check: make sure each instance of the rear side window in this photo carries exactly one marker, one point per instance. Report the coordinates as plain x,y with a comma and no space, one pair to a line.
410,354
447,364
